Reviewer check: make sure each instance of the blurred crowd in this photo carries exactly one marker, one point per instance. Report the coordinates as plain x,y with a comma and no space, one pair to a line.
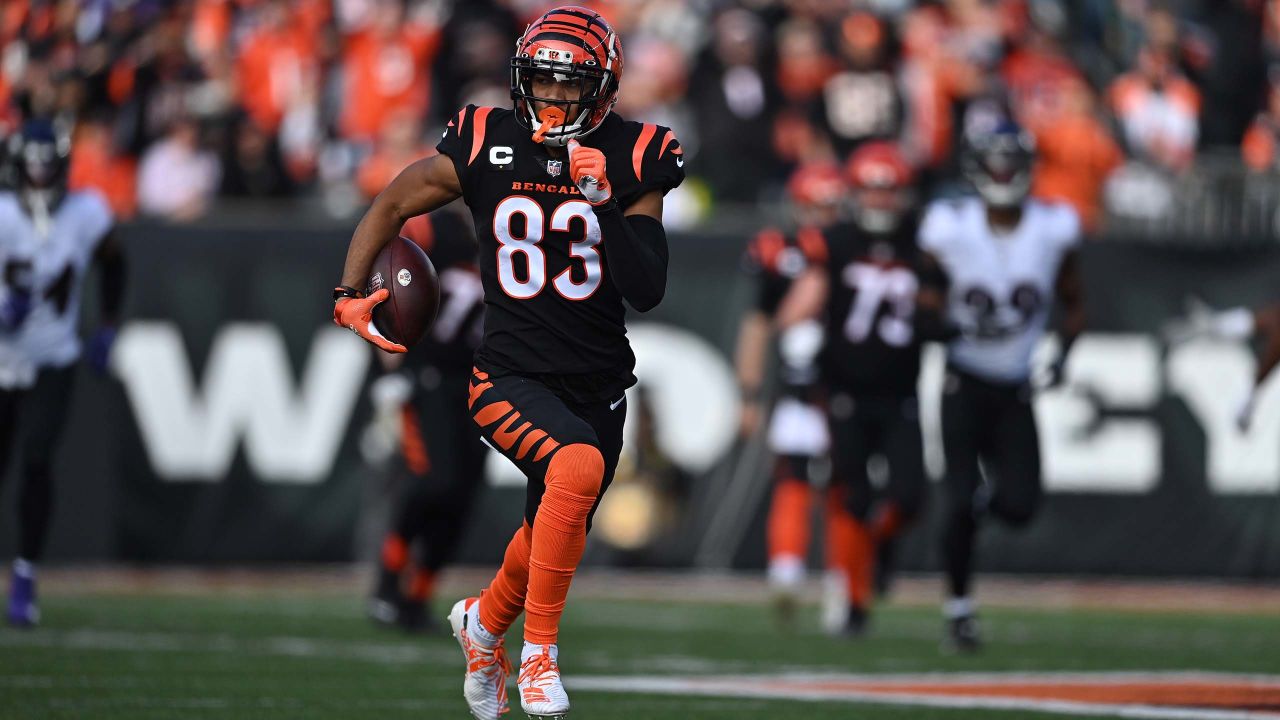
176,103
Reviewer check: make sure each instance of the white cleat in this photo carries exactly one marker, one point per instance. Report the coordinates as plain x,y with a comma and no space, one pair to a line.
542,695
485,686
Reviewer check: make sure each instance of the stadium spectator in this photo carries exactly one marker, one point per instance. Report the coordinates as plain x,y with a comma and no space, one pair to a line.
253,166
276,64
177,178
399,145
733,94
1076,153
863,100
385,70
1157,106
1259,147
96,163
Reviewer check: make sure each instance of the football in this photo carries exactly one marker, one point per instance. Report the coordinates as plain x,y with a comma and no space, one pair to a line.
407,273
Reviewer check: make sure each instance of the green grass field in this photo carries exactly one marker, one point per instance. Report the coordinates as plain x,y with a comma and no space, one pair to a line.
313,655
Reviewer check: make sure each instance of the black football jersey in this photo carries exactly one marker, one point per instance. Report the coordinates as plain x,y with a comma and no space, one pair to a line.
870,342
450,344
551,308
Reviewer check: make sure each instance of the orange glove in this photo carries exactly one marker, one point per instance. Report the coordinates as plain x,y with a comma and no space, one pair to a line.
586,167
356,314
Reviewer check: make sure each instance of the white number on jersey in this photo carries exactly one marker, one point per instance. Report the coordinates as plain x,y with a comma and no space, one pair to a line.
535,259
873,287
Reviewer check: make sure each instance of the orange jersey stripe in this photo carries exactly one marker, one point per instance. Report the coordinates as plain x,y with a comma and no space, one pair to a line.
547,447
642,142
529,441
505,437
489,414
667,139
477,133
476,392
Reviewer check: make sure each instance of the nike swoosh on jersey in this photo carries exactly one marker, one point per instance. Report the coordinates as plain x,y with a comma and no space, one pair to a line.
614,405
680,162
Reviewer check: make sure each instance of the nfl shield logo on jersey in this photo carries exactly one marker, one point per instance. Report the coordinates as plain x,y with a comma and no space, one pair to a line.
553,167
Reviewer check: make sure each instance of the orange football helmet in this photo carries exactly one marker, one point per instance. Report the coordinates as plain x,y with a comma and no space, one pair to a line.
882,183
569,43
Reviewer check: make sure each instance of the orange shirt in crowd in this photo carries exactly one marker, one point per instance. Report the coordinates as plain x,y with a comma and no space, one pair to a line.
386,75
275,67
1259,147
380,168
1076,155
94,165
1163,123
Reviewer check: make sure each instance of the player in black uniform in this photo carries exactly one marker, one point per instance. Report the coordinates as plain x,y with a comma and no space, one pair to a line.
796,433
567,201
439,469
864,283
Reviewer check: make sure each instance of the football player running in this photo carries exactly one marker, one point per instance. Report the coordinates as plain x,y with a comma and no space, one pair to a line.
566,197
1005,257
863,282
796,434
49,237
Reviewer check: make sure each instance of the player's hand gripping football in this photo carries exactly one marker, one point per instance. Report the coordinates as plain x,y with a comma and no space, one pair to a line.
356,314
586,167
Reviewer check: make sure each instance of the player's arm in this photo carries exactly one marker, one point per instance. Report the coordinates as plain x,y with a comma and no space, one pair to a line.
804,300
749,364
425,185
633,238
110,260
930,319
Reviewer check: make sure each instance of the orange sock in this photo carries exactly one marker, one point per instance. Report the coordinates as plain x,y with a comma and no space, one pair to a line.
395,553
788,523
422,584
850,543
573,481
502,602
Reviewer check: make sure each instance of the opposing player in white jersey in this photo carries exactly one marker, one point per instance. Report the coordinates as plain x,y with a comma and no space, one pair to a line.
48,239
1003,257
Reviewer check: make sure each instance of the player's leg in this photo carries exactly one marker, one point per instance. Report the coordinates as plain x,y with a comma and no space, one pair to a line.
903,496
787,531
458,478
1015,460
560,454
44,413
10,403
854,435
410,470
963,418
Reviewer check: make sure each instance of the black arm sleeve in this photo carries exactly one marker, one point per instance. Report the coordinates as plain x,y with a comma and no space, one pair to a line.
111,281
636,247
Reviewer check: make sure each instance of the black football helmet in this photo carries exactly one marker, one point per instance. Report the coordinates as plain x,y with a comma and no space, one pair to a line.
41,155
999,161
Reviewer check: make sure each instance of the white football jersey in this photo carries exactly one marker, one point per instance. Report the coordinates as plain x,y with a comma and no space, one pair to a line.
1002,284
55,261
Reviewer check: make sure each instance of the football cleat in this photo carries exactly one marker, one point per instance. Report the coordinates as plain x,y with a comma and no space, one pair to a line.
384,606
963,635
542,694
23,611
485,684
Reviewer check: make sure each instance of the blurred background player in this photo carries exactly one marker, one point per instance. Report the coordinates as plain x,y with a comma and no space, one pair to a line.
1001,259
863,282
797,433
439,469
48,239
567,202
1239,324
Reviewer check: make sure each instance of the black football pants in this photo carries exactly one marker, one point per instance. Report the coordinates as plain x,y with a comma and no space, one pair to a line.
528,422
864,426
985,426
33,420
